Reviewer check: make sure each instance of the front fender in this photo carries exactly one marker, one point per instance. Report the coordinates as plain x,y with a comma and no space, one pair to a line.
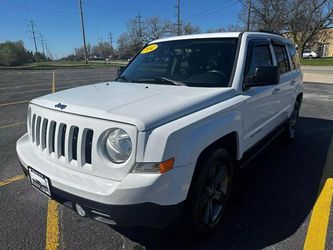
187,137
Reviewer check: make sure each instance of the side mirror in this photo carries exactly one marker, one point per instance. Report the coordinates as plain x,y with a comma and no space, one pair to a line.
263,76
120,70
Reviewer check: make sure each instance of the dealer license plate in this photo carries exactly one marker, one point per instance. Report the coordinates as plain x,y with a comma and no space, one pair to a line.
40,181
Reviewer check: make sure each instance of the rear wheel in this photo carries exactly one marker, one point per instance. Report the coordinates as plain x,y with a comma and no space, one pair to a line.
210,192
290,130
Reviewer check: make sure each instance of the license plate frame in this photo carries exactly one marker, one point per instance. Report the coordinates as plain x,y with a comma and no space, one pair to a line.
39,181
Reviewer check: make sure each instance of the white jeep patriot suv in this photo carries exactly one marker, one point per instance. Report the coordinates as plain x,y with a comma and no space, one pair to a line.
164,139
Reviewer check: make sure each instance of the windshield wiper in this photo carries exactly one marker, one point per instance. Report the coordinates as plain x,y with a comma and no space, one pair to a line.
124,78
164,79
160,79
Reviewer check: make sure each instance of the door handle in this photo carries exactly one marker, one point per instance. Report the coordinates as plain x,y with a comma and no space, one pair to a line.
276,90
292,82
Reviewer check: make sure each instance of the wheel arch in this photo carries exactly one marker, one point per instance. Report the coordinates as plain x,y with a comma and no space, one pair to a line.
299,98
230,142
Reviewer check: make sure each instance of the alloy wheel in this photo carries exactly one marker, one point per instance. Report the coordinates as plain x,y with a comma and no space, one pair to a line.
214,195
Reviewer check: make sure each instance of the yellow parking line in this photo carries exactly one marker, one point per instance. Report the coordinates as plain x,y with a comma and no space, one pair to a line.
11,180
39,90
316,235
52,227
12,125
13,103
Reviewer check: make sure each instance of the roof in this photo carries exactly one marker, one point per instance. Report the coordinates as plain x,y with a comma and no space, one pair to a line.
220,35
199,36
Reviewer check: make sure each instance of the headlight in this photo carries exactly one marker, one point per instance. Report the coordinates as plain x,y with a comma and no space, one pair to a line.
118,145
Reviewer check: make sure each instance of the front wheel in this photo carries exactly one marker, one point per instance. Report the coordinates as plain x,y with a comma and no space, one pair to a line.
210,192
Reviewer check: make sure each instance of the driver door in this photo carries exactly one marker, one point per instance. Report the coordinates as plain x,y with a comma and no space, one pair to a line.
261,106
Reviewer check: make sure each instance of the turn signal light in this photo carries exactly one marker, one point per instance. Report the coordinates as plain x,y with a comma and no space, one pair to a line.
166,165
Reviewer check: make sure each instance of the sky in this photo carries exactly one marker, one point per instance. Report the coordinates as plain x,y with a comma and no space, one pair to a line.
59,20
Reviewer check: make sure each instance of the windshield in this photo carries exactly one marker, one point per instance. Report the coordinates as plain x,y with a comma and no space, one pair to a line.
195,63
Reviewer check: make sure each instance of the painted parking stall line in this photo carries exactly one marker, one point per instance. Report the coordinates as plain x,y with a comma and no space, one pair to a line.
52,226
317,230
13,103
11,180
12,125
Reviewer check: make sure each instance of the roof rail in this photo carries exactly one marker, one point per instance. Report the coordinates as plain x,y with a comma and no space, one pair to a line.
270,32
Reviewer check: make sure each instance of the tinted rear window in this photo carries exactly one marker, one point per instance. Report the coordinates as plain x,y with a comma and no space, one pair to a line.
294,57
282,58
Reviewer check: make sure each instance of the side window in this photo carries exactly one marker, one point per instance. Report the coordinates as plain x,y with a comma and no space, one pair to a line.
260,56
282,58
293,56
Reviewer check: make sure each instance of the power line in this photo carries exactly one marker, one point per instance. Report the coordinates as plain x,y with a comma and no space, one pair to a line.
127,9
212,11
205,10
33,31
83,33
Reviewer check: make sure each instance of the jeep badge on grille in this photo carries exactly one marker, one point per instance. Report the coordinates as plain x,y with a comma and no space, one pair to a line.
61,106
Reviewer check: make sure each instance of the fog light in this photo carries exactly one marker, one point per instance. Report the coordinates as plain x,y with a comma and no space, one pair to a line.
80,210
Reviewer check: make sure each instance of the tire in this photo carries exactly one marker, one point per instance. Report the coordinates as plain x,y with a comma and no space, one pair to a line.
290,129
210,192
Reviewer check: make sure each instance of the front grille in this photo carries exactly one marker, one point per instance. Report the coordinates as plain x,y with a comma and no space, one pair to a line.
67,142
74,142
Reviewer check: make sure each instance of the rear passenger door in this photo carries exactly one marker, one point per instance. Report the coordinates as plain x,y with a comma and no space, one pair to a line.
284,90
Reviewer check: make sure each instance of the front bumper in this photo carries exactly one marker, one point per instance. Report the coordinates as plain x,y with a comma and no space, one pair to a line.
144,214
139,199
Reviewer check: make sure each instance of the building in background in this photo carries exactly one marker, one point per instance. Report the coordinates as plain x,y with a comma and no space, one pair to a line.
324,43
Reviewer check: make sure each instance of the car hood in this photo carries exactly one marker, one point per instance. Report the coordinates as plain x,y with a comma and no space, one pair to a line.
144,105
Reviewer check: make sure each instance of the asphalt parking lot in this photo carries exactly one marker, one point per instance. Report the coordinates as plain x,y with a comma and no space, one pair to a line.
272,207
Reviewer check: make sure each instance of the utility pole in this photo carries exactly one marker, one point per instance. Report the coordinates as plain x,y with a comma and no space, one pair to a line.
48,53
249,15
178,18
140,27
33,31
42,43
111,39
83,33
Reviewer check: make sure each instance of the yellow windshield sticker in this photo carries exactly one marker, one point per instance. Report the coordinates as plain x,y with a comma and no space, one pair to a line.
149,48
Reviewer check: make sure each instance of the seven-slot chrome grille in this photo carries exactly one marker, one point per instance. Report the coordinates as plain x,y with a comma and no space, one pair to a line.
67,142
70,140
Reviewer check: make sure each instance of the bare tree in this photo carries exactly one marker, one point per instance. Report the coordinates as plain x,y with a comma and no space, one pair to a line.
231,28
140,32
307,19
103,49
126,46
155,28
268,15
188,29
301,20
80,54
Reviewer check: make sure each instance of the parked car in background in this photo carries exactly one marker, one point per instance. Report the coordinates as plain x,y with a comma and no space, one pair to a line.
309,54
